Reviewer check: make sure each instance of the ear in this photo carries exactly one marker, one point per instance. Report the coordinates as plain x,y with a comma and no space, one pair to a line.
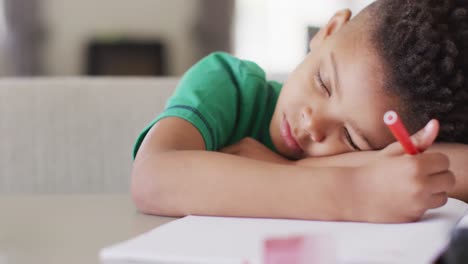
338,20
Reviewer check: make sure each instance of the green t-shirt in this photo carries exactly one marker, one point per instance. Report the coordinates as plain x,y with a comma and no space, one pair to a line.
226,99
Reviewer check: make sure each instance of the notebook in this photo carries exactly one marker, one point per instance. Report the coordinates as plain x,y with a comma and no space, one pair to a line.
222,240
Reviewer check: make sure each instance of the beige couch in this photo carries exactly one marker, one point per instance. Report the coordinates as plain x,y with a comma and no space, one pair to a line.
73,135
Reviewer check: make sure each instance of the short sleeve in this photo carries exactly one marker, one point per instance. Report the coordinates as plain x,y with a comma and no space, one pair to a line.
209,96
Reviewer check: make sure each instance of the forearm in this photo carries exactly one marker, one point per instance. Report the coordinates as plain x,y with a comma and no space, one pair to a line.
179,183
351,159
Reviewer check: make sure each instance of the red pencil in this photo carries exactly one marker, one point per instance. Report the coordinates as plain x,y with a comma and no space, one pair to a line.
399,131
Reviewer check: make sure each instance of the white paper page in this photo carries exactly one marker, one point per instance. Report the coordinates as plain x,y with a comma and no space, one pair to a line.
463,223
196,239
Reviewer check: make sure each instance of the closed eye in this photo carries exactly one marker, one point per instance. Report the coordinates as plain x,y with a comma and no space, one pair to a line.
350,140
322,84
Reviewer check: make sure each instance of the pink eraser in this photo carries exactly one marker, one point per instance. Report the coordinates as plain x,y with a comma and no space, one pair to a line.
299,250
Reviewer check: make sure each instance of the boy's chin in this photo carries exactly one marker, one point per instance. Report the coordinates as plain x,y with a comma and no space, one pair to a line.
293,156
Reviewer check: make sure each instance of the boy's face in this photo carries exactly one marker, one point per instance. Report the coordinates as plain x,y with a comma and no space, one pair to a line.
334,101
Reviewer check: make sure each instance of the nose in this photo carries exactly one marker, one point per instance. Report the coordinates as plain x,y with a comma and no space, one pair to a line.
313,124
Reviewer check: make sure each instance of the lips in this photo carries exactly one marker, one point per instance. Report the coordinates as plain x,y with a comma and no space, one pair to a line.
289,140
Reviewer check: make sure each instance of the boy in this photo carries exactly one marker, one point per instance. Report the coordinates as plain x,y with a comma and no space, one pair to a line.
231,143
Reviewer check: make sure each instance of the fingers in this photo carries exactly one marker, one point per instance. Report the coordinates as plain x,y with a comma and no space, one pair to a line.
422,139
440,185
437,200
425,137
432,163
441,182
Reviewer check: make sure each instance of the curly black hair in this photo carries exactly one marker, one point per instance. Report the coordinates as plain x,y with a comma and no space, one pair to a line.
424,44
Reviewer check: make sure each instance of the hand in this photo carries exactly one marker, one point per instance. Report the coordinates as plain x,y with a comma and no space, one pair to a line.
397,187
252,149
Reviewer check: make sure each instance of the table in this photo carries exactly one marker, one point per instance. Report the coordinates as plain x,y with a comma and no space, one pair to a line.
67,228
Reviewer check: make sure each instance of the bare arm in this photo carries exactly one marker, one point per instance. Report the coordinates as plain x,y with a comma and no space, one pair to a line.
173,175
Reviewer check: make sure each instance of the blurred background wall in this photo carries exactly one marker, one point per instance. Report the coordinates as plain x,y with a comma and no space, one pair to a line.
154,37
71,25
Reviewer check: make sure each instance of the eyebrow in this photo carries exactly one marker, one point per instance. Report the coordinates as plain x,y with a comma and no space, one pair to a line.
336,82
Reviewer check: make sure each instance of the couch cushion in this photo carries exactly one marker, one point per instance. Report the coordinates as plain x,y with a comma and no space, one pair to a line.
74,135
